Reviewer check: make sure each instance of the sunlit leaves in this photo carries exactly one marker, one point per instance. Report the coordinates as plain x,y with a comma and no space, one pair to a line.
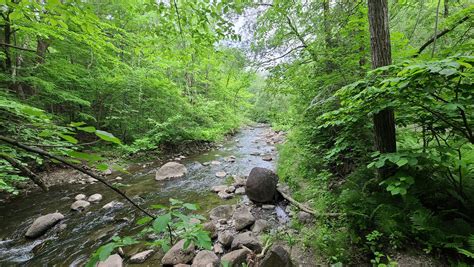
107,136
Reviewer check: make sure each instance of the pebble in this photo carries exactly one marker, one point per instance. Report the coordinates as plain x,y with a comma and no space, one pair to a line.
221,174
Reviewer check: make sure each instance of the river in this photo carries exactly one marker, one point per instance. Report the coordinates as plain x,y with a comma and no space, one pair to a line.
86,231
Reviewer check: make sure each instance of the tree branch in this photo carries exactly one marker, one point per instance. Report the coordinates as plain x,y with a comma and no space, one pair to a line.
25,171
440,34
18,47
65,162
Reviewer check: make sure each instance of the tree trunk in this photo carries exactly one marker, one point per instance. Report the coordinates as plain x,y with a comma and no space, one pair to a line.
384,121
7,40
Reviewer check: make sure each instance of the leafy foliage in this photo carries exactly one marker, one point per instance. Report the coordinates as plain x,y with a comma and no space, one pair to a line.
175,223
329,157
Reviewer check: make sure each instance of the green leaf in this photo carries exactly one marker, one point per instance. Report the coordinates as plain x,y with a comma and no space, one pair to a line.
106,250
77,124
186,244
102,166
69,138
401,162
144,220
190,206
107,136
158,206
161,222
88,129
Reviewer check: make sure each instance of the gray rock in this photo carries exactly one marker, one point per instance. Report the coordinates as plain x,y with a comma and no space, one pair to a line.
113,204
240,191
239,181
112,261
243,218
171,170
182,265
177,254
142,256
267,158
261,185
268,207
277,256
107,172
260,226
305,217
43,224
225,195
118,178
221,174
235,258
80,197
218,188
225,238
222,221
80,205
215,162
205,258
95,198
218,248
248,240
230,189
211,228
222,212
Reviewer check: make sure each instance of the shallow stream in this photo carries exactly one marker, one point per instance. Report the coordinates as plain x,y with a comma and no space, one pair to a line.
86,231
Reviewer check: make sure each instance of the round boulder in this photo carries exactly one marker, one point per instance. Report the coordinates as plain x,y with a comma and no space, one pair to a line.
171,170
42,224
261,185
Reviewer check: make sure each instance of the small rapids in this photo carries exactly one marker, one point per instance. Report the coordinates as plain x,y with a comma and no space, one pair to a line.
85,231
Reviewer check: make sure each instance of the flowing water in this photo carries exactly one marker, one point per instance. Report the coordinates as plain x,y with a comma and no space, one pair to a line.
86,231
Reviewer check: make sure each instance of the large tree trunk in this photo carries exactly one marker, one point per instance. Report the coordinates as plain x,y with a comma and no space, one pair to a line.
384,121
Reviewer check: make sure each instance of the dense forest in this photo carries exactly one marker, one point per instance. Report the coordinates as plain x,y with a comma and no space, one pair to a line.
376,99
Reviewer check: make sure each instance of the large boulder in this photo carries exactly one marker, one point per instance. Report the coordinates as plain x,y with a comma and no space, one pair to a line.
43,224
171,170
112,261
222,212
177,254
235,258
277,256
261,185
205,258
243,218
248,240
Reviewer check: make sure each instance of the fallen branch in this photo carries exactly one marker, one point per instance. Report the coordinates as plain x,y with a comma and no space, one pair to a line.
25,171
306,209
65,162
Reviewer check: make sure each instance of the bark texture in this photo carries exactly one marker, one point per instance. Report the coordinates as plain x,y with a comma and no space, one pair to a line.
384,121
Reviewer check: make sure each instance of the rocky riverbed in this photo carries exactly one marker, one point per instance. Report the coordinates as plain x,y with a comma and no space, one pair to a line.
65,225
